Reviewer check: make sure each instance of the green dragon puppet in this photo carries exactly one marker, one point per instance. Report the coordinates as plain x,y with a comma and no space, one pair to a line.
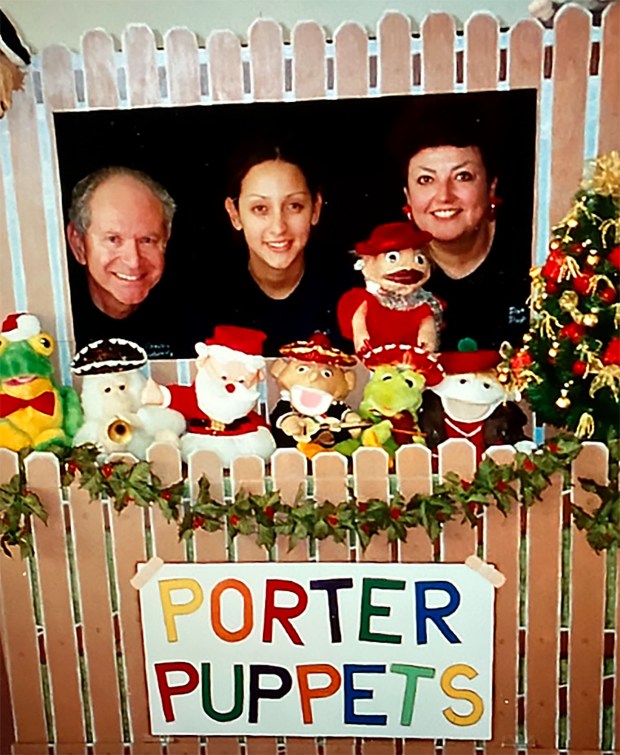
35,412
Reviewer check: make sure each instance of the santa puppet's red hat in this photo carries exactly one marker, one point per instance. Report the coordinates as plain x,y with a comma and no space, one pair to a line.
404,355
319,350
20,326
392,237
469,358
231,342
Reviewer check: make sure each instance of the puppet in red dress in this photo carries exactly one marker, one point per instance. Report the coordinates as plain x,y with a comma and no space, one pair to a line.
393,308
220,406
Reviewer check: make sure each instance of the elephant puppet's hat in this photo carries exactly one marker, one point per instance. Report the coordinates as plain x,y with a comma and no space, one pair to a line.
108,355
469,358
318,349
10,43
392,237
404,355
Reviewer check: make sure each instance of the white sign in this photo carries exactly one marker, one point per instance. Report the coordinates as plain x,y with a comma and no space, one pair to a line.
309,649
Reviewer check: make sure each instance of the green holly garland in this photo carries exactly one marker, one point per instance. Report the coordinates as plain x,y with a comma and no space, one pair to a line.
266,517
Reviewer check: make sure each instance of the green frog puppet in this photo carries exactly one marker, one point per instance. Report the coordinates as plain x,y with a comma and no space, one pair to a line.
35,412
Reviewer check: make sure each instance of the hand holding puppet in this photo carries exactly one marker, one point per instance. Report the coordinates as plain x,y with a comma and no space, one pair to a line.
471,403
35,411
314,380
115,419
394,308
220,406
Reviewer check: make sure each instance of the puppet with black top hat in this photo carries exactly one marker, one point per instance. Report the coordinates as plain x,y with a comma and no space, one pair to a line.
14,59
220,405
471,403
393,308
314,380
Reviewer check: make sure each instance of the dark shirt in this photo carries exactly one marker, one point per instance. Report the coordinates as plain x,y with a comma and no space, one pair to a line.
489,304
153,325
309,308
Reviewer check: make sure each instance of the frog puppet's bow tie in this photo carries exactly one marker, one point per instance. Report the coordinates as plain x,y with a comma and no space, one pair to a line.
43,403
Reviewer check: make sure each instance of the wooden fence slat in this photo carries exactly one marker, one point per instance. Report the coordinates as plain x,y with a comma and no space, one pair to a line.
587,612
570,84
19,636
183,68
395,54
22,123
207,546
267,62
142,76
43,477
101,87
544,533
57,78
289,471
438,64
413,472
370,480
129,547
458,541
248,474
351,63
309,64
502,550
330,484
166,464
609,116
481,52
225,69
98,629
525,63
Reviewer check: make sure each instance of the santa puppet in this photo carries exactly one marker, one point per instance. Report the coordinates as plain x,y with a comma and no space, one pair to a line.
393,308
471,403
314,380
219,407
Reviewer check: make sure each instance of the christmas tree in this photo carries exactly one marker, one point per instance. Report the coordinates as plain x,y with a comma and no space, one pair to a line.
569,365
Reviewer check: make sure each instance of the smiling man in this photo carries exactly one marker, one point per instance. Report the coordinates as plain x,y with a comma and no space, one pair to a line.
119,226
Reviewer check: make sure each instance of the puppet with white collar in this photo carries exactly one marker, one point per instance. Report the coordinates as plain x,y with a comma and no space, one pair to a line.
393,308
471,403
219,407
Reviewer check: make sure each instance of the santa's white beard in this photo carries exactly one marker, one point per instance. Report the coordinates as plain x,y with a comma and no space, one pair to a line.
217,403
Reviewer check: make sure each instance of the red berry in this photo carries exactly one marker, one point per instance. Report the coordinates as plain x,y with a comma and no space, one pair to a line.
366,528
198,522
608,295
473,507
614,257
579,368
574,331
551,287
529,465
395,513
332,520
269,512
234,520
581,284
72,466
362,506
440,516
165,494
501,486
553,447
107,470
465,484
129,500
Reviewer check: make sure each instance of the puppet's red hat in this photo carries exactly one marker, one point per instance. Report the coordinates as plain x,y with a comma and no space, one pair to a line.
392,237
246,340
318,349
469,358
404,355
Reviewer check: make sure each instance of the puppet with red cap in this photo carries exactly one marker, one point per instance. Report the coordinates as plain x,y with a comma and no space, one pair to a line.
471,403
393,308
35,412
220,406
314,379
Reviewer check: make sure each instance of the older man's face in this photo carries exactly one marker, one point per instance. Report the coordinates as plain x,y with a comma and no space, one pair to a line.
123,247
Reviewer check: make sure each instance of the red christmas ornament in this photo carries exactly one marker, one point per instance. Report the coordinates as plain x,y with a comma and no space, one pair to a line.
574,331
614,257
579,368
551,287
581,284
612,352
608,295
577,247
553,265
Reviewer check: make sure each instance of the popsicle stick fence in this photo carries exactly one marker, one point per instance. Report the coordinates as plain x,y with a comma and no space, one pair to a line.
71,625
69,622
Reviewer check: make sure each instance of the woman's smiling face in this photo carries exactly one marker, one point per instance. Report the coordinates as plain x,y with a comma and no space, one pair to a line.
448,191
276,212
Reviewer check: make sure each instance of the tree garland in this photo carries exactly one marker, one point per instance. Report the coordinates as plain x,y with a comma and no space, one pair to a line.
266,516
